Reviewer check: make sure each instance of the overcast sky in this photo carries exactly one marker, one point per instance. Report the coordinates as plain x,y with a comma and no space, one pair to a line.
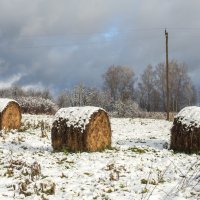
60,43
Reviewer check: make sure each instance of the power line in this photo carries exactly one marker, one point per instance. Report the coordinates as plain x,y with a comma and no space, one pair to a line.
107,31
91,33
74,41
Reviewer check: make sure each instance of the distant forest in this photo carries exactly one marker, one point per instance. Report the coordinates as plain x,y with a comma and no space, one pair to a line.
123,93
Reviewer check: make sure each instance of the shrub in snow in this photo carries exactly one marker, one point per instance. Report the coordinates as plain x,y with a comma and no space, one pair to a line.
128,108
37,105
159,115
185,133
47,186
81,129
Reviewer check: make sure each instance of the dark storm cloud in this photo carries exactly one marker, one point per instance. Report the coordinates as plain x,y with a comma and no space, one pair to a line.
56,44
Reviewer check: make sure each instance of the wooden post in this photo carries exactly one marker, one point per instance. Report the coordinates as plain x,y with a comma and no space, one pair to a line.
167,74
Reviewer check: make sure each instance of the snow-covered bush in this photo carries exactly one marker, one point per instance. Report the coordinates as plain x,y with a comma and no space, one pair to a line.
128,108
37,105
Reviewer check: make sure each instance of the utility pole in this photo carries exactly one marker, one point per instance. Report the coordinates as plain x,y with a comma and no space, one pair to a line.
167,74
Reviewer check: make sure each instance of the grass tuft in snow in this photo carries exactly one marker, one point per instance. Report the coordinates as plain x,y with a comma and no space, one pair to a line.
138,150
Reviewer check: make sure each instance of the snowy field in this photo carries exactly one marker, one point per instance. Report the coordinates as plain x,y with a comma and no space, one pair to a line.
138,166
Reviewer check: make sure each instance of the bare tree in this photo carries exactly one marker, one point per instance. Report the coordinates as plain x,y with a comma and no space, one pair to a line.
190,93
119,82
81,95
78,95
160,84
180,85
147,89
63,100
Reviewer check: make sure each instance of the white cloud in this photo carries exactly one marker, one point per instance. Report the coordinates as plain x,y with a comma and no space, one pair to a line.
11,80
37,86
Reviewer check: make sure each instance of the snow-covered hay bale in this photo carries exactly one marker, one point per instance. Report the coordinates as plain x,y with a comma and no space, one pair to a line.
81,129
10,114
185,133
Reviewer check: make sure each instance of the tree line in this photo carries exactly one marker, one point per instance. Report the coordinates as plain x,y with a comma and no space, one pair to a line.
122,90
122,93
152,88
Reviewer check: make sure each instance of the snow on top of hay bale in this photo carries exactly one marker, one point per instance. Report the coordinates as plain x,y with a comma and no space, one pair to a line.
78,117
4,102
189,116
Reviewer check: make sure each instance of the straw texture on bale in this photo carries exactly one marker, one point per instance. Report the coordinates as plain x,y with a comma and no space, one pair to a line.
10,114
81,129
185,133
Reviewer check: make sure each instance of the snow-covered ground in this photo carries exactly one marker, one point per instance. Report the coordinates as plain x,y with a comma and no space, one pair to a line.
138,166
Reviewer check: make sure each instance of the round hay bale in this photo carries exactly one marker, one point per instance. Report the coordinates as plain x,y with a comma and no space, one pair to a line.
81,129
185,133
10,114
